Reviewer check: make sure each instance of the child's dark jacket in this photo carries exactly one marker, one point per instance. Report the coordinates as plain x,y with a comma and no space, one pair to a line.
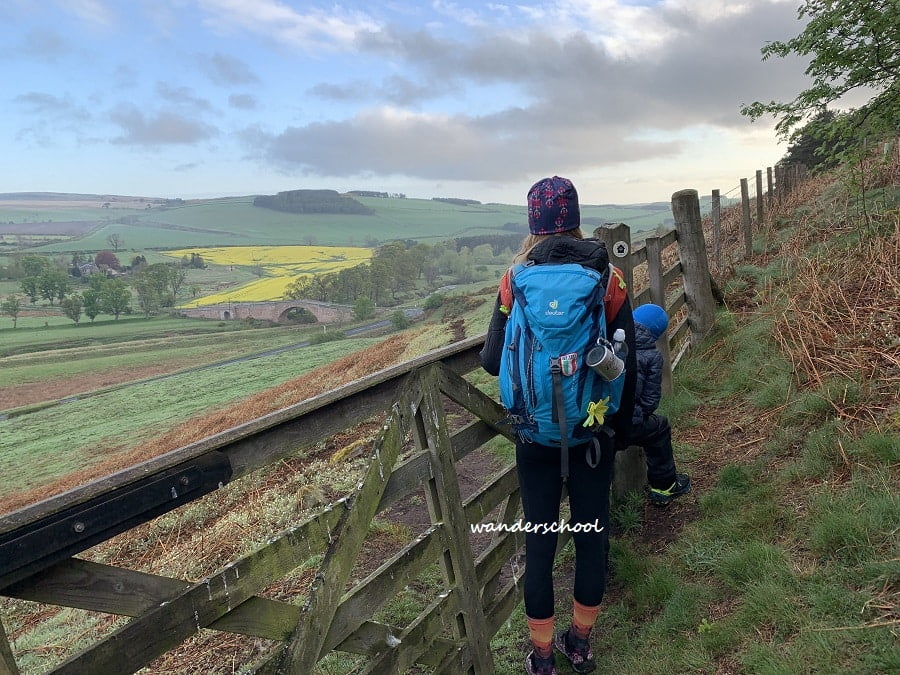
648,391
590,253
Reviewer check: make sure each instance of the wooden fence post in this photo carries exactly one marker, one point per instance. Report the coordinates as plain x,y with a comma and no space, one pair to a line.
717,228
630,468
658,297
759,198
745,221
770,195
692,253
617,237
7,661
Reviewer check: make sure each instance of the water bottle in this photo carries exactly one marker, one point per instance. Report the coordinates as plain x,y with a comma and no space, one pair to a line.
619,347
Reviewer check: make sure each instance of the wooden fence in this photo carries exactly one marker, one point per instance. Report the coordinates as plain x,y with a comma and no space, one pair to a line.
416,450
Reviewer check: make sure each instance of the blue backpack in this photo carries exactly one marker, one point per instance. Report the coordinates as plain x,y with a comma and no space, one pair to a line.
557,316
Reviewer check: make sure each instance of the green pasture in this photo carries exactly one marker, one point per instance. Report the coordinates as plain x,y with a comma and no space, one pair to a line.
172,353
46,444
68,334
236,222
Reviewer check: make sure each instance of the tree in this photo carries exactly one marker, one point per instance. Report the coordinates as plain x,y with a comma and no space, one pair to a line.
11,307
72,307
363,308
400,320
34,265
92,303
115,240
29,286
855,45
53,284
107,260
115,297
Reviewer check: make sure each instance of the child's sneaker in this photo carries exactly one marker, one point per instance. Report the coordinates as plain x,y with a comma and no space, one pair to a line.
576,650
681,486
535,665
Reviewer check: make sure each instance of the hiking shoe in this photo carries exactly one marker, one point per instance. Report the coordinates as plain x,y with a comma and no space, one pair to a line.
681,486
538,666
577,651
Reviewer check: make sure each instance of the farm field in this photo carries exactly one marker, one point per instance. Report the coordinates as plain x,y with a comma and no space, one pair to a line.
234,221
279,264
65,334
46,444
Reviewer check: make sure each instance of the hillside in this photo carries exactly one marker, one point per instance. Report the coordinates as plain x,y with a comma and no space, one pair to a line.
783,559
57,223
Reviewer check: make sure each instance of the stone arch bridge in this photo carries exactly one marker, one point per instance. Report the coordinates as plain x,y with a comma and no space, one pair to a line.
276,311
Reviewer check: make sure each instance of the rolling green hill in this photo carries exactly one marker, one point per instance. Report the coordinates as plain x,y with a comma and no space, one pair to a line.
147,224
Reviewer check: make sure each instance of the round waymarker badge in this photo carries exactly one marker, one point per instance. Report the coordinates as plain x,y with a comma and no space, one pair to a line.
620,249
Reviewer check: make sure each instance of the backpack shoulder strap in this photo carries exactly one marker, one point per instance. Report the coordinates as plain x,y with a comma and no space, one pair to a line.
616,292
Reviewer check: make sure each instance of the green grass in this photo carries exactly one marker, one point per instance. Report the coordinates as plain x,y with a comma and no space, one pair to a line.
788,567
128,328
167,352
235,221
49,443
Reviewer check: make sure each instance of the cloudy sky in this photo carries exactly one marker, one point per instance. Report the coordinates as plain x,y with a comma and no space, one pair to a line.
632,99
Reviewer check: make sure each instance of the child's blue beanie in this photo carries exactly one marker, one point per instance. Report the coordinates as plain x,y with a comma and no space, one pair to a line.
653,318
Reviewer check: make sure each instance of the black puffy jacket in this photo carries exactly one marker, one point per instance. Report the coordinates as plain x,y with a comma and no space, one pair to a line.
648,389
590,253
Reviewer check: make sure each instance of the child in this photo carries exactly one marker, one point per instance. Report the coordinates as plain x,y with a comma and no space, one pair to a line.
649,430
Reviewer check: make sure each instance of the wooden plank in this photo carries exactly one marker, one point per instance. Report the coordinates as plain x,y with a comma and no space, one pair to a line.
97,587
417,639
157,631
474,400
745,219
638,256
478,506
672,274
676,303
643,297
411,474
511,512
668,238
271,437
305,646
102,588
370,594
681,331
614,234
694,263
658,296
433,422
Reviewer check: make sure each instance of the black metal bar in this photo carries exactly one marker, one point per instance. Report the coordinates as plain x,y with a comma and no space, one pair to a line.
45,542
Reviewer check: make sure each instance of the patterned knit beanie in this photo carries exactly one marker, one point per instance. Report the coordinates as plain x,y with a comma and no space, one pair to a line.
553,206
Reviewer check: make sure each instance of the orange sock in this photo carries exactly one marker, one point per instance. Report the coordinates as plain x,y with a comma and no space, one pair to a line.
583,618
541,632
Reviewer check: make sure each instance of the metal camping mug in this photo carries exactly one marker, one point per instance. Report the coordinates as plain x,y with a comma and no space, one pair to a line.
603,361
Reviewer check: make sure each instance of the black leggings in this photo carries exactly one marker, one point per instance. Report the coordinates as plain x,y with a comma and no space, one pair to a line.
541,488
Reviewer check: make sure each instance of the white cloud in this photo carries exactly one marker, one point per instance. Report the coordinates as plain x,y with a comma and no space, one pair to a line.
309,31
90,11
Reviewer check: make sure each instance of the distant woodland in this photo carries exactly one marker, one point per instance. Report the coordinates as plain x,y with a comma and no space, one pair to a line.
312,201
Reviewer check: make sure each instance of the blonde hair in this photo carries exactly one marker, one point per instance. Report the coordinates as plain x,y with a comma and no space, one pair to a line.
533,240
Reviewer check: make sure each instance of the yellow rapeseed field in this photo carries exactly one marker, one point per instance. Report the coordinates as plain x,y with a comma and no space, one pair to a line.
280,264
